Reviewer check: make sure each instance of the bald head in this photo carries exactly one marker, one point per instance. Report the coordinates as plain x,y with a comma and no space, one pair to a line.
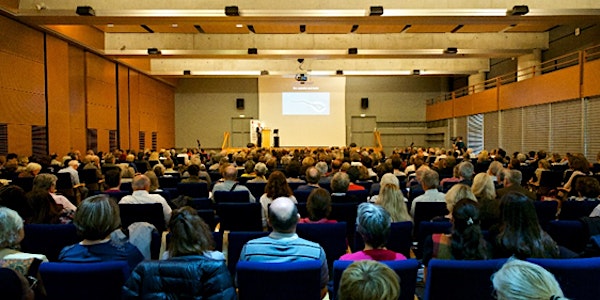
283,215
141,182
230,173
313,175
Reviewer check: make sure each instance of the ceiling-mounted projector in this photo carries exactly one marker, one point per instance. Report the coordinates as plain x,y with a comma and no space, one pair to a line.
301,77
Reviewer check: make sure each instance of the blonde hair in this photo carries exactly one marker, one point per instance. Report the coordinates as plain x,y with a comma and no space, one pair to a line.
522,280
369,280
456,193
391,199
483,186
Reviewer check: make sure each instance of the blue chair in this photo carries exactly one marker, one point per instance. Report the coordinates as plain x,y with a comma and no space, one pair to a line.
406,270
201,203
546,211
400,239
101,280
294,280
193,189
168,181
360,195
573,210
295,185
256,188
48,239
425,211
147,212
302,195
460,279
345,212
117,195
208,215
126,186
571,234
237,240
218,238
240,216
331,236
578,277
231,196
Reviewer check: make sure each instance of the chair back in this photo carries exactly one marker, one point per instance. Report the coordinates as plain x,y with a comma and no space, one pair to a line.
426,229
168,181
406,270
147,212
359,195
345,212
578,277
573,210
100,280
460,279
256,188
302,195
294,185
550,179
48,239
237,240
571,234
193,189
291,280
117,195
240,216
63,181
231,196
126,186
546,211
26,183
400,239
425,211
331,236
200,203
208,215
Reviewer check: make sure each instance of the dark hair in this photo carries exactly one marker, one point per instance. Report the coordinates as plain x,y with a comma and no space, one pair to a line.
520,232
13,197
113,178
587,187
578,162
277,186
292,170
467,239
97,217
45,209
189,233
193,170
318,204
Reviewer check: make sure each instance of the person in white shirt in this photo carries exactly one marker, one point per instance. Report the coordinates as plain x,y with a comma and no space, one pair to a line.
140,195
430,182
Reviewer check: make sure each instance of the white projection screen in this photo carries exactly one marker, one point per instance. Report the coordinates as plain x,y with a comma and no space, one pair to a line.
308,114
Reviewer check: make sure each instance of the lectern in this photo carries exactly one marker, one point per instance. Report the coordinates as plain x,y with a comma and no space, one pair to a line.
266,138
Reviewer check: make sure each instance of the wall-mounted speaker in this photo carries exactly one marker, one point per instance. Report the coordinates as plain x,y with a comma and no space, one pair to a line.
239,103
364,103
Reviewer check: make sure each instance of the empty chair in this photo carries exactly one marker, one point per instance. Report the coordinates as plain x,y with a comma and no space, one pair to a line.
48,239
101,280
200,203
573,210
256,188
208,215
360,195
168,181
461,279
425,211
291,280
331,236
571,234
406,270
546,211
126,186
240,216
231,197
302,195
148,212
237,240
400,239
549,180
193,189
578,277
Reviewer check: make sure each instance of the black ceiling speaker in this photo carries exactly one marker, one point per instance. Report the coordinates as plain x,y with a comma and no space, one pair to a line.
85,11
339,72
187,72
376,11
232,11
252,51
451,50
154,51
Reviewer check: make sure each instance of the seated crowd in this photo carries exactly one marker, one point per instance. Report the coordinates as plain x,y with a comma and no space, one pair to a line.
490,201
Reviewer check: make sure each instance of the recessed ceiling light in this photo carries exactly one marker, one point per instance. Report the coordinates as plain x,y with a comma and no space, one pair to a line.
110,25
174,25
239,25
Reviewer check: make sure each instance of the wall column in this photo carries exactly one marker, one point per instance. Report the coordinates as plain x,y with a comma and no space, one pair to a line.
476,82
529,65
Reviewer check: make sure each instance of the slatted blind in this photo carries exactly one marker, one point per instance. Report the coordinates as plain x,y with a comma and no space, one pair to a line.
154,140
39,140
92,139
510,136
142,140
536,129
566,127
593,128
3,139
112,139
475,132
490,130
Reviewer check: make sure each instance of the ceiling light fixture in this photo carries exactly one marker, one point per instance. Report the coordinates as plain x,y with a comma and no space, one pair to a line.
451,50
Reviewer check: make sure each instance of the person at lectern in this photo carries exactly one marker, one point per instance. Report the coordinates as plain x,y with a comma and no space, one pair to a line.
258,136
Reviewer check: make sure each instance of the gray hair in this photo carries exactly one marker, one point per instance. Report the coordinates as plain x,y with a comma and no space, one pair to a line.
10,225
322,167
513,176
430,179
466,169
389,178
522,280
44,181
340,182
261,169
495,167
373,224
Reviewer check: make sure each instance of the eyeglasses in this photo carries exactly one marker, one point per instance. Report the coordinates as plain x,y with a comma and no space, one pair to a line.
33,282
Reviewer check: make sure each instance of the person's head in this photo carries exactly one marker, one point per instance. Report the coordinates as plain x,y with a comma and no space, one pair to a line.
483,186
73,164
340,182
467,240
260,169
430,179
141,182
189,233
168,163
230,173
33,168
97,217
45,182
588,187
456,193
292,170
113,178
11,228
249,166
389,178
373,224
322,168
494,168
466,169
522,280
283,215
578,162
512,177
391,199
277,186
13,197
543,164
313,175
369,280
193,170
318,204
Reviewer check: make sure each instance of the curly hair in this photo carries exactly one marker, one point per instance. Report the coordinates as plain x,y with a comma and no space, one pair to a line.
10,225
277,186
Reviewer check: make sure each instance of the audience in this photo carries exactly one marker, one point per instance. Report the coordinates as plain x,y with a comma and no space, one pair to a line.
512,183
318,206
141,195
192,271
489,206
429,181
47,183
11,235
369,280
14,197
96,221
391,199
312,179
230,183
522,280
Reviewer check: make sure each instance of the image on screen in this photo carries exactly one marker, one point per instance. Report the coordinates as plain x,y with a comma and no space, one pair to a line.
305,103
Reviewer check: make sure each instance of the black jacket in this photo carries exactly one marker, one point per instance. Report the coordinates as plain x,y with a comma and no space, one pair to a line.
185,277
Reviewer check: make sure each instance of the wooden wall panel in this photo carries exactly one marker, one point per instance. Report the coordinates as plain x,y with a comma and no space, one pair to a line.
486,101
59,133
591,78
440,110
463,106
123,104
21,40
101,93
103,140
77,112
552,87
12,5
19,139
157,111
134,111
85,34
